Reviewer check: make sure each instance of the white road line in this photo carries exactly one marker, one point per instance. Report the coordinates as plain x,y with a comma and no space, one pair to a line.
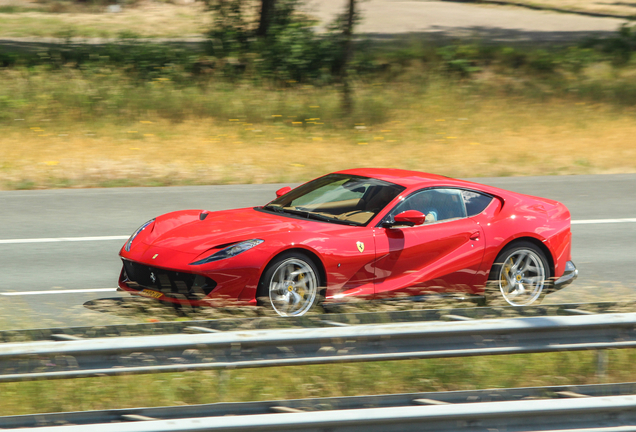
94,290
125,237
62,239
601,221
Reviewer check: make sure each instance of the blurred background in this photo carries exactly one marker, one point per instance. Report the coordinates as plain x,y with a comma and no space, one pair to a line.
177,93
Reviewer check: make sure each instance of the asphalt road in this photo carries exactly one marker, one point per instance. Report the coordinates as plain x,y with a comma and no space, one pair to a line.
452,19
604,252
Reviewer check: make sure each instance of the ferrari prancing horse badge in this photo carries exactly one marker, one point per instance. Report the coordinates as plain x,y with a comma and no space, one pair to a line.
360,246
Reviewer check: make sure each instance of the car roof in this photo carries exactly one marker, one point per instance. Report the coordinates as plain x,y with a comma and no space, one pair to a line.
402,177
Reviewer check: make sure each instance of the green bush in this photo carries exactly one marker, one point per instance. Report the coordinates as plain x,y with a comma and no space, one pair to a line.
295,53
460,59
618,48
292,49
575,59
542,61
512,58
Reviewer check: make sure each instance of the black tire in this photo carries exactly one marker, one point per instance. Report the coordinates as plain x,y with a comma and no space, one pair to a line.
519,265
291,285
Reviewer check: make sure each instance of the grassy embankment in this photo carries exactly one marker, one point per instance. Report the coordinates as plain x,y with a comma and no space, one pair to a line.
166,116
460,111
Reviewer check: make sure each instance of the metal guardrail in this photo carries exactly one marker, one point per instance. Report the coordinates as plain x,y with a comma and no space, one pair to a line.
308,321
316,404
262,348
599,414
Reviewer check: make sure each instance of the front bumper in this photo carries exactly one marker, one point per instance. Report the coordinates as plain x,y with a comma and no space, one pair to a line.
234,285
569,275
163,284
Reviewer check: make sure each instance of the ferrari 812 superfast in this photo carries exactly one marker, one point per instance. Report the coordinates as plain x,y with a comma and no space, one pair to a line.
360,233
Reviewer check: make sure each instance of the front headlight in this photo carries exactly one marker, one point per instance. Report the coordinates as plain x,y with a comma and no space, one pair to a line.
135,234
230,251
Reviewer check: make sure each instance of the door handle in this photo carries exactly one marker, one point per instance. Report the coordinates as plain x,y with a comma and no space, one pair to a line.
474,235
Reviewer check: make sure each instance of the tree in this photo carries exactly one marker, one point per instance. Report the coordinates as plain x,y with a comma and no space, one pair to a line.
267,14
347,31
281,43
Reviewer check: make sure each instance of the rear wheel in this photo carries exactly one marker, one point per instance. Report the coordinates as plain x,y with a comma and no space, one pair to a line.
290,285
520,276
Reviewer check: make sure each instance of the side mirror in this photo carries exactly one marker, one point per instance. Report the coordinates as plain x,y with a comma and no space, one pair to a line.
282,191
410,218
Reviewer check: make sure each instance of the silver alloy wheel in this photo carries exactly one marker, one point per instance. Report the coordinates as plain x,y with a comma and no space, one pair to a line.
522,277
293,287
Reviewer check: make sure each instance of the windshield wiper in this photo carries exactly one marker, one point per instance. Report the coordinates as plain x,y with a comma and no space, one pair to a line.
309,215
274,207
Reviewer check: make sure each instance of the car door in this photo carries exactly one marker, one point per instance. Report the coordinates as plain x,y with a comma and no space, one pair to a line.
441,255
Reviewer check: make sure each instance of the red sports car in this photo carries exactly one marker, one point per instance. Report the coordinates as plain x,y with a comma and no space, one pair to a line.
365,233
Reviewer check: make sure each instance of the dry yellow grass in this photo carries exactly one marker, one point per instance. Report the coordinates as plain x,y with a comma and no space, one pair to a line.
490,138
610,7
147,19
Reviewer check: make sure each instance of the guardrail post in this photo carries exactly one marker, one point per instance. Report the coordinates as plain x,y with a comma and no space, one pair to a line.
601,364
223,379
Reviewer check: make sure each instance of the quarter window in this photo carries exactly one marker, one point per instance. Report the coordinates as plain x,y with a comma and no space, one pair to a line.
475,202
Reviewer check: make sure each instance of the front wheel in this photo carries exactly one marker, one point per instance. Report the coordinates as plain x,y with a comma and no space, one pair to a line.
520,275
290,285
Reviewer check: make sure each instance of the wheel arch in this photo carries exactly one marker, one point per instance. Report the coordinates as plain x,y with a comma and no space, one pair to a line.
546,251
309,254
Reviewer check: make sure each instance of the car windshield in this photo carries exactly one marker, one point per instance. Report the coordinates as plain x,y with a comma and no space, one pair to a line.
338,198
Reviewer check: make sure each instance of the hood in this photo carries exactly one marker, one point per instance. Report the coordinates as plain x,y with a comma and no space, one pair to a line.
185,231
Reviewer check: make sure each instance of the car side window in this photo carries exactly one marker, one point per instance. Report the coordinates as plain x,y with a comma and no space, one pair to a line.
435,204
475,202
